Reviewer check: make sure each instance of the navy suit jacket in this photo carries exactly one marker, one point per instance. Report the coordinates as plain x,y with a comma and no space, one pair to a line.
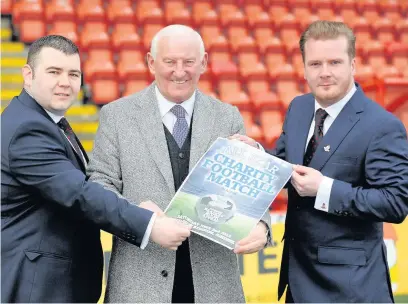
339,255
50,213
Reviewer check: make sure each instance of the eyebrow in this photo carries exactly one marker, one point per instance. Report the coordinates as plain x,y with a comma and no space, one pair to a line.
60,69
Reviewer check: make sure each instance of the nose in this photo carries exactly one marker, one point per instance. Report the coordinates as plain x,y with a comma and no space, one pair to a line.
63,80
179,69
325,70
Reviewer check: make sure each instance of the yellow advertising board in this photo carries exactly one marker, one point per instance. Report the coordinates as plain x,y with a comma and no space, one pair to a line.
260,271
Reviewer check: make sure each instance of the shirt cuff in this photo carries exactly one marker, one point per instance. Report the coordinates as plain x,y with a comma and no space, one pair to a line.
148,231
323,194
260,147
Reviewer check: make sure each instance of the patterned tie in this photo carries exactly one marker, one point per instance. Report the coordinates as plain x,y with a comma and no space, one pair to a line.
316,137
69,133
180,129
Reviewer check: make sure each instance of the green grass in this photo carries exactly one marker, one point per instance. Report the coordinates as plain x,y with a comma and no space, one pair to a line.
401,299
237,227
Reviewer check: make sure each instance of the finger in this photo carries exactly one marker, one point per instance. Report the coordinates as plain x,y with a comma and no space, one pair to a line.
244,241
301,169
249,248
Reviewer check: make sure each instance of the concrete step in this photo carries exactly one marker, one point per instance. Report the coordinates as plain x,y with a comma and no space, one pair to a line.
11,48
5,34
13,62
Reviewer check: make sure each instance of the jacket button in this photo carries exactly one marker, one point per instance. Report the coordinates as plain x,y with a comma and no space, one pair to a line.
164,273
181,155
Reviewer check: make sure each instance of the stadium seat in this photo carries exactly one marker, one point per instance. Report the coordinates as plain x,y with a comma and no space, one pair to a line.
231,92
133,86
95,35
120,11
369,10
252,129
277,11
124,36
402,29
347,9
398,54
60,10
274,53
289,33
28,10
384,30
99,65
219,57
149,12
395,88
201,12
6,7
104,91
31,30
262,36
206,86
300,8
179,16
148,32
224,70
217,44
265,100
391,9
271,123
324,9
132,66
65,28
253,11
90,11
363,32
375,55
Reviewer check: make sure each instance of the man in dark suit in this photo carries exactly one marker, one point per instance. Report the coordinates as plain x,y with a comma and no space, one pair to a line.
50,213
353,177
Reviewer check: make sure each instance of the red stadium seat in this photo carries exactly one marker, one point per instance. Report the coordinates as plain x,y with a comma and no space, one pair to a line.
271,122
104,91
120,11
28,10
369,10
252,129
124,36
398,54
131,66
347,9
133,86
90,11
385,30
391,9
278,11
205,86
67,29
6,7
231,92
99,65
265,100
31,30
95,35
60,10
402,29
148,33
224,70
201,11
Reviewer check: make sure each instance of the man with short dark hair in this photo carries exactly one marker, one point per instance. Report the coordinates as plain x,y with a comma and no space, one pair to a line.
50,213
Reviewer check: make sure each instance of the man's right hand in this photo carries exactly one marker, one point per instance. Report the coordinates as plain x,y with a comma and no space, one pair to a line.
169,232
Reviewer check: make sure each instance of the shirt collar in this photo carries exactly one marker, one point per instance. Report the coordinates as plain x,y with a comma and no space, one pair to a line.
335,109
166,105
54,117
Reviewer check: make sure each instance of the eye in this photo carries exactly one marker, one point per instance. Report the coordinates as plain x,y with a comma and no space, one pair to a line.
336,62
53,72
74,75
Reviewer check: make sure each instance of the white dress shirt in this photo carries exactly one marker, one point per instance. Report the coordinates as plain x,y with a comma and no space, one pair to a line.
324,191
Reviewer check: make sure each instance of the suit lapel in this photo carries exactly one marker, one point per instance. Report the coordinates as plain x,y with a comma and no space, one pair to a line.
304,119
202,124
341,126
151,128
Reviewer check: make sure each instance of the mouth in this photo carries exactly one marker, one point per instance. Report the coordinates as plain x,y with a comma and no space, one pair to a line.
62,94
179,81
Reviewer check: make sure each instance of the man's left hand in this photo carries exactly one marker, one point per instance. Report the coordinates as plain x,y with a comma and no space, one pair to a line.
245,139
306,180
254,242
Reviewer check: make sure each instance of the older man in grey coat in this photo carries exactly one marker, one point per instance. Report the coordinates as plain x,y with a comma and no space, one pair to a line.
145,146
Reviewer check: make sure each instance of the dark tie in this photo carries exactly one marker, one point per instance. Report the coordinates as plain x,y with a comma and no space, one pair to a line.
180,129
317,136
69,133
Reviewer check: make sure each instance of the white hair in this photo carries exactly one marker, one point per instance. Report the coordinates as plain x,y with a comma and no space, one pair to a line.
176,30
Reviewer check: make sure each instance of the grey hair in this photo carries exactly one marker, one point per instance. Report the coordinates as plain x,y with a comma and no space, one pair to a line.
176,30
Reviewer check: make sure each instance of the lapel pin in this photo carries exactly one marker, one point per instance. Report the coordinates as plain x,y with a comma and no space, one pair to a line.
327,148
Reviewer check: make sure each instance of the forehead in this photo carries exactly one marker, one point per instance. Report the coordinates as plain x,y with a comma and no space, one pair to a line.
52,57
326,49
178,47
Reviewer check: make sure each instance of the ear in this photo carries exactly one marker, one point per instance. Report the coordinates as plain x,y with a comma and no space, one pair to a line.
204,63
150,63
28,75
353,66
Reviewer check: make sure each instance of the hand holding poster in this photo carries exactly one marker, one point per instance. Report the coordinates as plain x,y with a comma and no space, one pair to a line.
228,191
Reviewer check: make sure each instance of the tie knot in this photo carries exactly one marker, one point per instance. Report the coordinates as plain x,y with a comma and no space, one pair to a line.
320,116
64,124
178,111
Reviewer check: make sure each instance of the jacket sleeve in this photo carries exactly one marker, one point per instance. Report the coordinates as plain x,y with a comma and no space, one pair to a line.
385,195
38,160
